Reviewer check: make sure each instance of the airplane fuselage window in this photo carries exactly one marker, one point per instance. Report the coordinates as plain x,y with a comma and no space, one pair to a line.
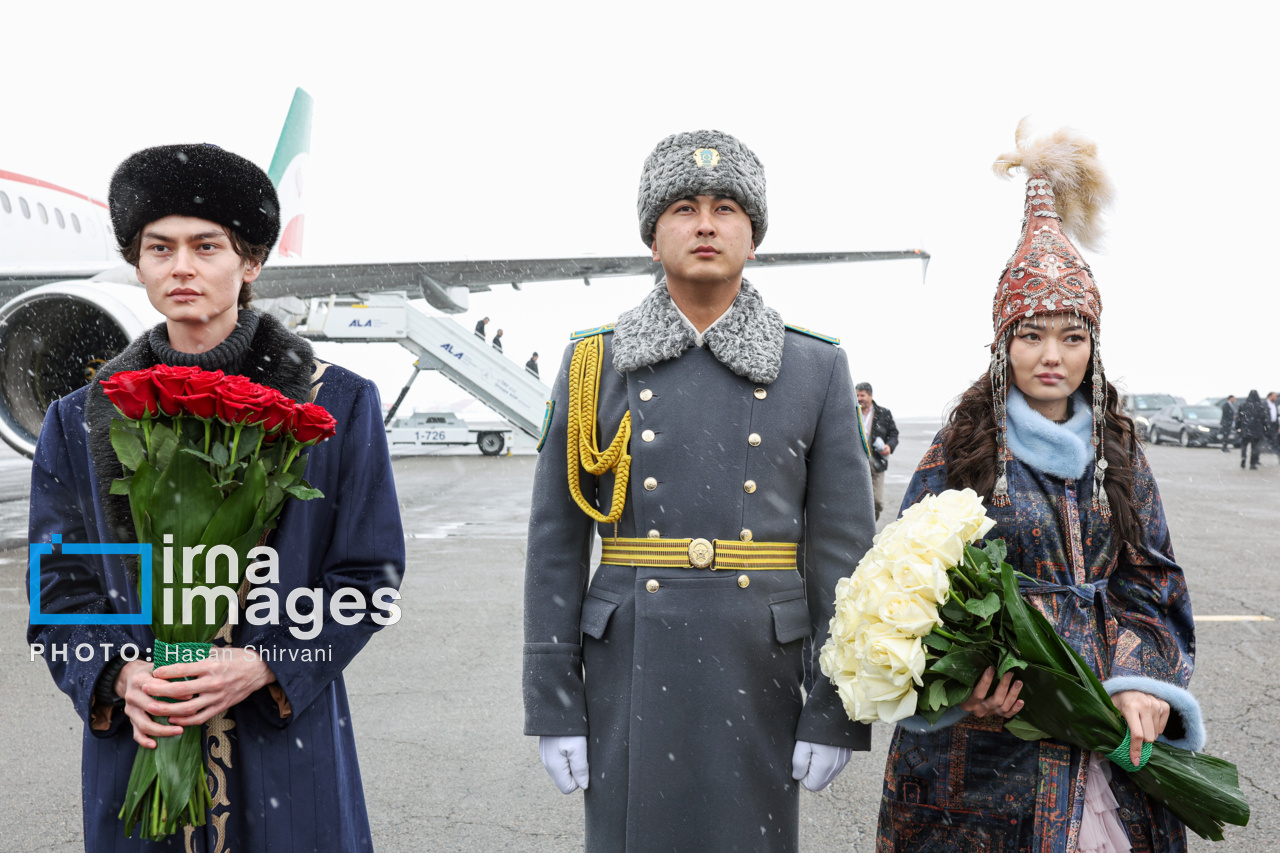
57,212
26,208
75,222
4,202
44,214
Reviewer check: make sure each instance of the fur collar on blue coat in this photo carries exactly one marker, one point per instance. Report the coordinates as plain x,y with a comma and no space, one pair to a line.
1063,450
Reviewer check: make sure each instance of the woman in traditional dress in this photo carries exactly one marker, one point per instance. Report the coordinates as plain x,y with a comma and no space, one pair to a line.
1042,436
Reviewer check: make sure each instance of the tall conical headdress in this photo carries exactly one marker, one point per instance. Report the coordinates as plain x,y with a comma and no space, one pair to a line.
1067,190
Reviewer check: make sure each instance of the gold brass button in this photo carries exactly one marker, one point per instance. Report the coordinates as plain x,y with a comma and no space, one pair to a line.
761,393
701,553
745,535
743,581
754,439
652,585
646,395
653,534
647,435
749,487
650,483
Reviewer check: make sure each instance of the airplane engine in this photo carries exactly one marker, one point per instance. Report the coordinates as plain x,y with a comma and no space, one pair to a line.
53,339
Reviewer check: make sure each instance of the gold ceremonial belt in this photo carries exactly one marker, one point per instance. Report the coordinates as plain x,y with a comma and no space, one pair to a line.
699,554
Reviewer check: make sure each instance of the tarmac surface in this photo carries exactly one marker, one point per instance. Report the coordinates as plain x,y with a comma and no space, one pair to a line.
436,698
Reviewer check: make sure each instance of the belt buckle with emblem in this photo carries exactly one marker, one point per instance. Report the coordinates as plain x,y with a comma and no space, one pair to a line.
701,554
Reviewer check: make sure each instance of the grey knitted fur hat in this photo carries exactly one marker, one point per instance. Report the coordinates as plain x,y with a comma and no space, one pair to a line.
702,162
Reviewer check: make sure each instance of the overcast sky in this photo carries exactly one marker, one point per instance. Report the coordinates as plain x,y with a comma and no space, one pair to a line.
516,130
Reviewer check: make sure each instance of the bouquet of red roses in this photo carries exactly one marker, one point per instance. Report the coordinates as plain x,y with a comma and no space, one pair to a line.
209,460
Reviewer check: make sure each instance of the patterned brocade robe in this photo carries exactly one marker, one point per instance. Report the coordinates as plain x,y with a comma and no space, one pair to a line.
974,786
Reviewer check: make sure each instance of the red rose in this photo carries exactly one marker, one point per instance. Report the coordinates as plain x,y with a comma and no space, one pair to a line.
132,392
242,401
170,380
279,411
204,382
312,424
203,406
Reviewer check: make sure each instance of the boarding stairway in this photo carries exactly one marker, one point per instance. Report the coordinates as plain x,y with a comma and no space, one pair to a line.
439,344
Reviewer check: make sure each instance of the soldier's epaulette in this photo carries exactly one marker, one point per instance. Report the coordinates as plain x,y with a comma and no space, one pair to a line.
811,333
595,330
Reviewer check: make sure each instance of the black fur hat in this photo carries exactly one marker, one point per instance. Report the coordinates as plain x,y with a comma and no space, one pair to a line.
200,180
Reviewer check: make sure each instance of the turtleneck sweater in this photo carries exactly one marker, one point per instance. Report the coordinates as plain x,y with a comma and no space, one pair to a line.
228,356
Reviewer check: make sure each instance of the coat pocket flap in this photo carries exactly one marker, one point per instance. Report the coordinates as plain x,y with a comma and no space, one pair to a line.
790,618
597,607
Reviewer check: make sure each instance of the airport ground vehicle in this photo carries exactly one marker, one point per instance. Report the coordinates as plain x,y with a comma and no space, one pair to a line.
1190,426
425,429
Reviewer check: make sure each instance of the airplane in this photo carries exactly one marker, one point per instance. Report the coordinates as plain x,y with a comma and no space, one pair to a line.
70,304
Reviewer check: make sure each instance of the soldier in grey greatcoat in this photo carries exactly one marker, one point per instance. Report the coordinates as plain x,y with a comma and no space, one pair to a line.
668,684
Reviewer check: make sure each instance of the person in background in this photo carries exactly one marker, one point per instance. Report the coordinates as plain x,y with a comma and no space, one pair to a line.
881,435
532,364
497,340
1272,435
1251,426
1228,423
480,324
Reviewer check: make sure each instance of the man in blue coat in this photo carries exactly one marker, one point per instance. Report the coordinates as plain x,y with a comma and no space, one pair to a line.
198,222
667,685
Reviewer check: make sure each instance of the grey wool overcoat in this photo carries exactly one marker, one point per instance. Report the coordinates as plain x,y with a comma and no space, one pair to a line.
689,691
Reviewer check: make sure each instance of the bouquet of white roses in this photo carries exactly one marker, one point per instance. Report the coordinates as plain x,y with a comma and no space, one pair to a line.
926,613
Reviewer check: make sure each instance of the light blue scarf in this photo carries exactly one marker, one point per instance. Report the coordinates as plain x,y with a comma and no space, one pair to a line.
1063,450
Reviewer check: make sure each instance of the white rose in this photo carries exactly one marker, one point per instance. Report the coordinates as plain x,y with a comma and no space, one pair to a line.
926,579
880,699
894,657
964,507
908,614
871,591
935,535
846,620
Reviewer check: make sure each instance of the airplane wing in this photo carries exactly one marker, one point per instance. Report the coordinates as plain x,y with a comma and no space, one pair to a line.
436,281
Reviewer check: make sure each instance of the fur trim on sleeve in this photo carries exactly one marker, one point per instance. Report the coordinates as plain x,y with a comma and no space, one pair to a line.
1181,702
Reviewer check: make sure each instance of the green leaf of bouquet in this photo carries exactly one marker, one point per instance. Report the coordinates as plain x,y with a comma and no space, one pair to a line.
964,665
976,558
220,454
935,697
953,611
299,466
936,641
121,486
983,607
248,441
304,492
140,487
1023,729
127,445
996,550
1008,661
957,692
270,506
1033,645
203,457
164,442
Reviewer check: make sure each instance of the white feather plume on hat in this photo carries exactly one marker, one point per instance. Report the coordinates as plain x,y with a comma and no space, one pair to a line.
1069,161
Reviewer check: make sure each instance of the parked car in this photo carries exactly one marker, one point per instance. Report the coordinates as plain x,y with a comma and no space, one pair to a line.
1141,407
1190,426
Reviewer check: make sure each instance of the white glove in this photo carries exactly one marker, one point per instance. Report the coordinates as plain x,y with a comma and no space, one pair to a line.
566,760
816,765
